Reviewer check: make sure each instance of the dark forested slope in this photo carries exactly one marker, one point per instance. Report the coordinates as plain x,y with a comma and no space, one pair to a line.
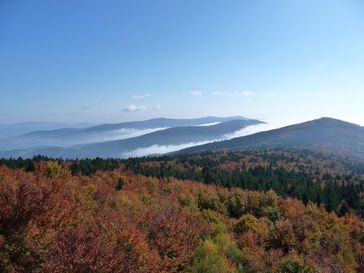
325,134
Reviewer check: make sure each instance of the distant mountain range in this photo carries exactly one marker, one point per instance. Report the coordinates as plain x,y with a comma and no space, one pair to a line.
160,136
145,124
325,134
121,148
21,128
64,137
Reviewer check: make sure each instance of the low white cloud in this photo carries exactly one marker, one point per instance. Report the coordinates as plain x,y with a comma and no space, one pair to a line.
247,93
207,124
91,104
196,93
252,129
234,94
134,108
137,97
163,149
122,134
160,149
218,93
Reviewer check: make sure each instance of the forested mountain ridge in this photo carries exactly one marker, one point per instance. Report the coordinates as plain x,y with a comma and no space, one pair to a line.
325,134
116,221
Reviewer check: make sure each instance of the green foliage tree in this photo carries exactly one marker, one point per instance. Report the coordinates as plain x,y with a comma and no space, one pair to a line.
208,260
30,166
120,184
53,169
343,208
246,223
294,265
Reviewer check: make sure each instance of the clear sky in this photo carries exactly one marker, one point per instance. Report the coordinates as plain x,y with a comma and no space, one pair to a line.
109,61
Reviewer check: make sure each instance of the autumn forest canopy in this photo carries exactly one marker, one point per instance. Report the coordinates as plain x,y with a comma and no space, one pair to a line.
268,211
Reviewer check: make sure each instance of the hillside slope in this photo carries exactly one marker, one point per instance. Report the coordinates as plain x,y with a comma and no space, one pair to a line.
325,134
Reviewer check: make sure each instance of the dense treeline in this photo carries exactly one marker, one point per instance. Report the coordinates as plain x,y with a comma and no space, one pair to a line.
336,197
335,182
91,166
29,165
309,176
115,221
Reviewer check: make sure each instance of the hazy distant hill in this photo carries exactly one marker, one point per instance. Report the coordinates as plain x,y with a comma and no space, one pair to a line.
63,137
325,134
166,137
16,129
144,124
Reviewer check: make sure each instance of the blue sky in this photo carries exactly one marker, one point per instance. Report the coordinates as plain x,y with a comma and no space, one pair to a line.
109,61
